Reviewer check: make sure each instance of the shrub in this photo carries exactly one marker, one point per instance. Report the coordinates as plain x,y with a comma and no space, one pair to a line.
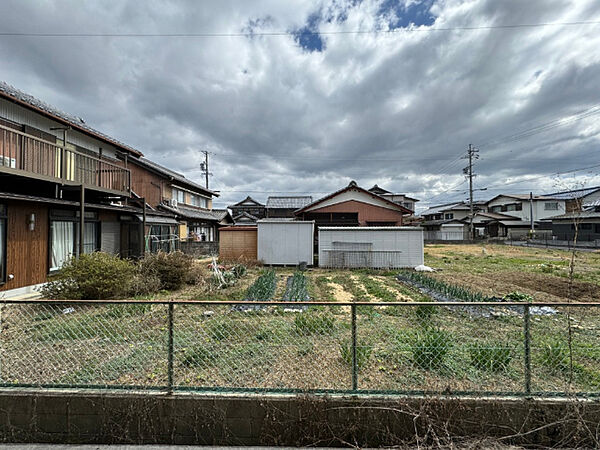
363,353
307,323
94,276
431,348
491,358
172,269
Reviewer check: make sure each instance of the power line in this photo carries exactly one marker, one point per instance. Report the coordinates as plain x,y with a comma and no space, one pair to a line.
297,33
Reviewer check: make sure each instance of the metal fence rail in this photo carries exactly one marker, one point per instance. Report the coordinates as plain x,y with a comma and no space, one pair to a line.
538,349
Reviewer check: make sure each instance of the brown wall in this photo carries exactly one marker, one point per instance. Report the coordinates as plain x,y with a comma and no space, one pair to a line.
148,185
238,243
366,212
27,251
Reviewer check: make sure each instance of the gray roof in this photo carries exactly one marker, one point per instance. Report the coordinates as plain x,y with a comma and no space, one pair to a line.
192,213
574,194
591,214
292,202
77,122
445,207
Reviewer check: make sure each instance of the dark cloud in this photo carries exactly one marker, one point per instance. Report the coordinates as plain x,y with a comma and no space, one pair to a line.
309,113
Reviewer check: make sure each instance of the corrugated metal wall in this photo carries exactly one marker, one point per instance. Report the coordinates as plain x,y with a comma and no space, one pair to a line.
286,243
373,247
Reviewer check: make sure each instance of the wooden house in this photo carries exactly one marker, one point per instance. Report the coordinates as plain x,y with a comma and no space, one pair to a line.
248,208
353,206
285,207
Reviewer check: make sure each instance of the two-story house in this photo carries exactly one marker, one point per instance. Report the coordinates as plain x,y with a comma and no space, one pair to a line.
63,191
169,191
248,211
401,199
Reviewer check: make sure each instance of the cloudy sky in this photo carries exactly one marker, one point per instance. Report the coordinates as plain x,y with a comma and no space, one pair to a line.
304,96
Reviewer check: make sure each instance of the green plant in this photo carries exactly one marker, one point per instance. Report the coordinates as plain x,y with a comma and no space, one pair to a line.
94,276
297,291
363,353
220,329
424,314
431,348
555,356
172,269
375,289
127,310
491,358
307,323
448,290
517,296
198,356
264,286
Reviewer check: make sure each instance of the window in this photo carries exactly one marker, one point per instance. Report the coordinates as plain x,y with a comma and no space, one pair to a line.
496,209
2,243
162,237
64,236
449,216
551,206
586,226
199,201
597,228
408,205
178,195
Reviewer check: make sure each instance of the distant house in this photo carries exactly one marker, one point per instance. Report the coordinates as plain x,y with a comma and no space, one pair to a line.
353,206
449,221
284,207
587,221
401,199
245,219
576,199
248,207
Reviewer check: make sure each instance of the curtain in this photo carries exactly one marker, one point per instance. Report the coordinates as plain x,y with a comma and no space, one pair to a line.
90,236
63,243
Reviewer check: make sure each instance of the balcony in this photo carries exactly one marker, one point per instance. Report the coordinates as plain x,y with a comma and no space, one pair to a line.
29,156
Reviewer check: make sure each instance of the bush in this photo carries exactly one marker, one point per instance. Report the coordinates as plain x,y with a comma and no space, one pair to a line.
172,269
431,348
363,353
94,276
492,359
517,296
312,323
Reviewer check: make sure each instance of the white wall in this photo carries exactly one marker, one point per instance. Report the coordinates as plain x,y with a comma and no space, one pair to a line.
539,211
391,247
285,242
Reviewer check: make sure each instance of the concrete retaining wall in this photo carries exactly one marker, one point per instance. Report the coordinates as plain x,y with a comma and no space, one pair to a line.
136,418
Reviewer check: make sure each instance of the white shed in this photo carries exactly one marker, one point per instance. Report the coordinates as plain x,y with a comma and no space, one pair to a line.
285,242
374,247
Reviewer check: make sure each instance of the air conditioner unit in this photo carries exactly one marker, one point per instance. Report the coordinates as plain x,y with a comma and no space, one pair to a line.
173,202
8,162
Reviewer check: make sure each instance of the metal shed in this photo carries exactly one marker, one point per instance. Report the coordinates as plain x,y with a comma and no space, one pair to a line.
373,247
285,242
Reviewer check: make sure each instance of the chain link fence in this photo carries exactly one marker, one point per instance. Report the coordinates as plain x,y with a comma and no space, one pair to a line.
403,348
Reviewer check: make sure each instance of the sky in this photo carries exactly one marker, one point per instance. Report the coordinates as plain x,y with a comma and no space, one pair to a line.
303,96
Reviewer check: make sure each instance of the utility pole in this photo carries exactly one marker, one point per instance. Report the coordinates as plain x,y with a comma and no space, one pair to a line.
204,166
472,153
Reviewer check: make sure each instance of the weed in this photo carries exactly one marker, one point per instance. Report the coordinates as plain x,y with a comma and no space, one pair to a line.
308,323
431,348
491,358
363,353
376,290
200,355
424,314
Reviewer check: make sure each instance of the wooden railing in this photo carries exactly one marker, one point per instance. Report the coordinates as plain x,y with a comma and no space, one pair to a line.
25,154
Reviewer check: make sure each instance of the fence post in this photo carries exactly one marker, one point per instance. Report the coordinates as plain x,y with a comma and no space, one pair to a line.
527,348
354,360
170,352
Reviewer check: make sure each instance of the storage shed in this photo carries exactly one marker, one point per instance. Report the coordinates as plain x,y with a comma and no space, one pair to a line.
372,247
238,243
285,242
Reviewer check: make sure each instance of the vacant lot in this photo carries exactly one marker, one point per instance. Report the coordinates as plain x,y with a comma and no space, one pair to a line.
499,269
